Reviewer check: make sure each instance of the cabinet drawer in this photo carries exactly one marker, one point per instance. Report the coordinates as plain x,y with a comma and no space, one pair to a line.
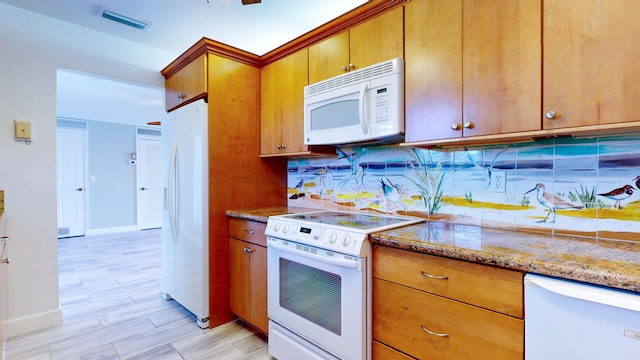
399,314
489,287
383,352
246,230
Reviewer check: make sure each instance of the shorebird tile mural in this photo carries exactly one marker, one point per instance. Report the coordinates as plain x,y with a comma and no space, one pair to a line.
587,187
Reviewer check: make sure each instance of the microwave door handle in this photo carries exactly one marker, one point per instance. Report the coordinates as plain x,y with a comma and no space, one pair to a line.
363,120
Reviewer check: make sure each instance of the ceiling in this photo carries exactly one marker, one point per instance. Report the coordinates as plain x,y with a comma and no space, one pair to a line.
178,24
175,26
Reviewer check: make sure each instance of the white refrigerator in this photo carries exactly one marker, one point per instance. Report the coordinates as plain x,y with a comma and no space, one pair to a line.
185,215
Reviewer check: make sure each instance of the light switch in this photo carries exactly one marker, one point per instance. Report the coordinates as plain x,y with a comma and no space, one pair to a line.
23,130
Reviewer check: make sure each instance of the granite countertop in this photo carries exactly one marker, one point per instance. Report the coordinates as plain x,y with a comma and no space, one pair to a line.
596,261
262,214
602,262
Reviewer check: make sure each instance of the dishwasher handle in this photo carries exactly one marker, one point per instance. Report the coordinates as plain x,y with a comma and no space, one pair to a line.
586,292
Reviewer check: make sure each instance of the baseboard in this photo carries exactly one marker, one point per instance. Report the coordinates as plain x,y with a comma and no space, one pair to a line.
111,230
33,323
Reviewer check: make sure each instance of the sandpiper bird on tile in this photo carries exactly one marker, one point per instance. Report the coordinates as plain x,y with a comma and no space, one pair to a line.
551,202
619,194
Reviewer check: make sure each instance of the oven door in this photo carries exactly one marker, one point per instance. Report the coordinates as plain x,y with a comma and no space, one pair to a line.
319,295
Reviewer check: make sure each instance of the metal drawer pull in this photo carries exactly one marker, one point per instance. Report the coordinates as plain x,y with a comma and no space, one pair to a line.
247,250
5,261
433,276
433,333
248,231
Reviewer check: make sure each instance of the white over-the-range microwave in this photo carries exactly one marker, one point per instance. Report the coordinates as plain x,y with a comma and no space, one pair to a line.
361,106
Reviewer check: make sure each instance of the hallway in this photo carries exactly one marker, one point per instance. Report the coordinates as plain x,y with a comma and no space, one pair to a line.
112,309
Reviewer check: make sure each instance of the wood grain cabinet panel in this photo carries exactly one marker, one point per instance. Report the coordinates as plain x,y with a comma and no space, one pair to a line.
403,316
591,67
282,101
248,272
489,287
371,42
188,84
473,67
431,307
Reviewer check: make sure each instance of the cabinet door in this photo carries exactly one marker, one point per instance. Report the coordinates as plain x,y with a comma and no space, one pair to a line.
173,91
282,113
271,109
296,71
377,40
502,72
239,278
591,68
433,69
194,79
487,50
327,57
258,289
402,316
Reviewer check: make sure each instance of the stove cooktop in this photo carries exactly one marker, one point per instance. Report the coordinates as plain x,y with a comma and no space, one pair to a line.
340,231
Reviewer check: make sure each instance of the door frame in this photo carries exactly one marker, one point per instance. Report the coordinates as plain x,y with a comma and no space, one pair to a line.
144,133
76,125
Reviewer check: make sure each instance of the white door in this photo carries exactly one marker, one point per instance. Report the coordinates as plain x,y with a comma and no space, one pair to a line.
70,158
149,173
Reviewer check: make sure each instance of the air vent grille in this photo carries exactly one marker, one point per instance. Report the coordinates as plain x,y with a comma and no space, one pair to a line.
353,77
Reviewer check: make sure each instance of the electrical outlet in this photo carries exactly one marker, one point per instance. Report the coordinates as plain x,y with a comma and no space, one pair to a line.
498,181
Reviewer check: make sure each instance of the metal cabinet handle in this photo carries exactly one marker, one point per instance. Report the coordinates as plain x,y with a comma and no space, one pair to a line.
247,250
144,188
455,126
343,68
351,66
433,276
250,232
433,332
469,125
5,260
550,115
79,189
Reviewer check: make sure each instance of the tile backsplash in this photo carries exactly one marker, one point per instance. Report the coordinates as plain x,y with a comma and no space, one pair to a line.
584,187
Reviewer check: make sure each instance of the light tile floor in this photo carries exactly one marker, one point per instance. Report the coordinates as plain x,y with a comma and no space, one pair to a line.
112,309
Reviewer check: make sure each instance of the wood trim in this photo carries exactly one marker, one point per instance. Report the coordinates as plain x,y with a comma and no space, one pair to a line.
354,17
582,131
208,46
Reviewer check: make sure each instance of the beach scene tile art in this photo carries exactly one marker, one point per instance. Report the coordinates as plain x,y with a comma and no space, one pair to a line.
587,187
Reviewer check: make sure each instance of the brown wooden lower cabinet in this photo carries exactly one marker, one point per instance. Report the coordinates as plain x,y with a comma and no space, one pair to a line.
383,352
403,316
418,320
248,272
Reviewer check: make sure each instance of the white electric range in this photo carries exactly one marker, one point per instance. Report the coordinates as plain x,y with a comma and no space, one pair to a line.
319,283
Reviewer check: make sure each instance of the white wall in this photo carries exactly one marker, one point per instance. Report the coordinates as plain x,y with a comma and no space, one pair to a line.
32,47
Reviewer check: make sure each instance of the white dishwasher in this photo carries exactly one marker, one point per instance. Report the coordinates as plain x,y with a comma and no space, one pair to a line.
570,320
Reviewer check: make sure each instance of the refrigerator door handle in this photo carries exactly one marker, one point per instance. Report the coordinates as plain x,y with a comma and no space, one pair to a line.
172,191
585,292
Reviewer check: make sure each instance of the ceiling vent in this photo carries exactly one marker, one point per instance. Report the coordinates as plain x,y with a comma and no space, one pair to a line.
122,19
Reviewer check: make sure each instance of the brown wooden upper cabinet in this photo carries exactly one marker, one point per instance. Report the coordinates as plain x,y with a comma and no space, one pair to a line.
187,84
591,67
376,40
282,100
472,67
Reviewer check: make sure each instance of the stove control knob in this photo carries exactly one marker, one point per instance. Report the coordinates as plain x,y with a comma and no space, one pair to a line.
276,226
333,237
346,240
286,228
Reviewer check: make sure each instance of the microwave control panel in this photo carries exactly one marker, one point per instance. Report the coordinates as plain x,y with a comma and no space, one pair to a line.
381,104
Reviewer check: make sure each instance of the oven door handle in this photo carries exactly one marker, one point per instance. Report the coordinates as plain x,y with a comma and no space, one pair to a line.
338,262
